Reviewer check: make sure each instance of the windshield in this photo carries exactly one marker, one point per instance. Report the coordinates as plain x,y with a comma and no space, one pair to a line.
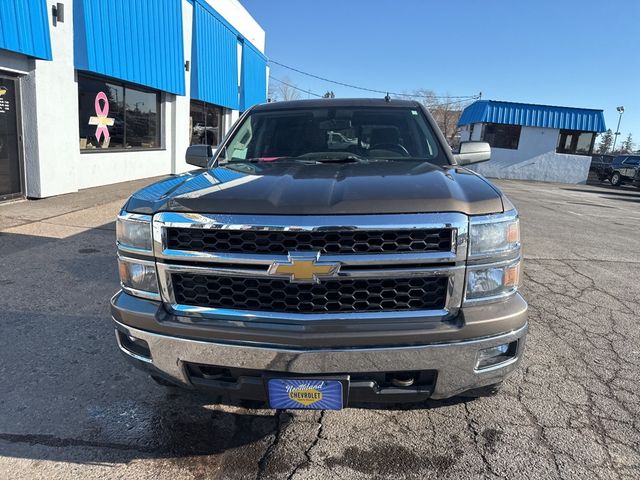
336,133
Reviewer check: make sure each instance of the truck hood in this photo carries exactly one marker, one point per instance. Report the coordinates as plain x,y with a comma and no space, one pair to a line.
289,188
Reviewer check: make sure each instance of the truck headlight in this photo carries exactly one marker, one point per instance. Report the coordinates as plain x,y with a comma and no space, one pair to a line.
493,268
138,277
133,237
492,280
133,232
493,235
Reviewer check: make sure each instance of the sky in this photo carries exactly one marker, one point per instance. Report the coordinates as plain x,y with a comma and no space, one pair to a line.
578,53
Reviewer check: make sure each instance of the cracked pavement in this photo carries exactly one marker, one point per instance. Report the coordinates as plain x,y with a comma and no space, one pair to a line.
70,406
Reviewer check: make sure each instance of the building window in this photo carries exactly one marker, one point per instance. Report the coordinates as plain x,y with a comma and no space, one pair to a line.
117,116
575,142
501,136
206,122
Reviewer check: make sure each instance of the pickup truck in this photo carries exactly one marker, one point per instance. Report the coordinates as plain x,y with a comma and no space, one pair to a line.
287,272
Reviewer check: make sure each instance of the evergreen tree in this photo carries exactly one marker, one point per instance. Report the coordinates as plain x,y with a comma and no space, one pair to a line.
606,142
627,145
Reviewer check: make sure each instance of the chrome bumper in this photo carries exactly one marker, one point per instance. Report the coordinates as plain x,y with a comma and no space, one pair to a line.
454,361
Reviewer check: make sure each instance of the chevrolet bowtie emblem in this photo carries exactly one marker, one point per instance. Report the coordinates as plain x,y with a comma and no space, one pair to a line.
304,267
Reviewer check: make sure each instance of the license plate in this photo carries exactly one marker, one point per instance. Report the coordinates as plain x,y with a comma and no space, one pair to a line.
311,394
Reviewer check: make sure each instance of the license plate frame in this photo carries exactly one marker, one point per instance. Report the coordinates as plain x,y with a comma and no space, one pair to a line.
307,393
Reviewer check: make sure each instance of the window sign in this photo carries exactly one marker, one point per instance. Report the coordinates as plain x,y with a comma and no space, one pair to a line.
5,103
102,119
117,116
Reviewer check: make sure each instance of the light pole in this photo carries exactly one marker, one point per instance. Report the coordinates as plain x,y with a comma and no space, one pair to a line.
620,110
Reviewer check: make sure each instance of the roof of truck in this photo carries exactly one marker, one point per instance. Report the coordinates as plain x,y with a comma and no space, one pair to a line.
337,102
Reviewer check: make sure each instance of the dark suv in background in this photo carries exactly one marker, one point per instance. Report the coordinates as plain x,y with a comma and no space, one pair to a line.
618,169
600,168
624,169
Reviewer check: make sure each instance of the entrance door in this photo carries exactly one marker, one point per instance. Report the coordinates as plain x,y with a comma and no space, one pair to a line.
10,171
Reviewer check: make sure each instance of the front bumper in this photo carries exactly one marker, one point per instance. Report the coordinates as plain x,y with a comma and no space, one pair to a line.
452,360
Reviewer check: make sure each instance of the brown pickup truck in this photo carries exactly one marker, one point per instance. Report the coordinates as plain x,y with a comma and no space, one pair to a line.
306,272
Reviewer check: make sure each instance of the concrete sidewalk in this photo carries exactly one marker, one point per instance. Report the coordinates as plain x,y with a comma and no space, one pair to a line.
65,215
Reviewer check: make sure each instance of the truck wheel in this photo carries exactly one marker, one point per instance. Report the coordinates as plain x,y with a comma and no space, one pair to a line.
616,179
488,391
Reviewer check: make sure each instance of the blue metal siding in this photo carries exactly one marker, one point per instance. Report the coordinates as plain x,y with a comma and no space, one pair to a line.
254,77
139,41
24,28
214,78
529,115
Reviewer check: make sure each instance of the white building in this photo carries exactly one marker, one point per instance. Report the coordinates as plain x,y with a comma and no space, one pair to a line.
533,142
94,92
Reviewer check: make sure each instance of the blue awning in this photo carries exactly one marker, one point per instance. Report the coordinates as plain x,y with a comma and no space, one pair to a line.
216,66
254,77
24,28
214,76
531,115
133,40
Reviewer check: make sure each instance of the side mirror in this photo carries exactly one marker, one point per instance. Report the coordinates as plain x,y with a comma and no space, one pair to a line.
472,152
199,155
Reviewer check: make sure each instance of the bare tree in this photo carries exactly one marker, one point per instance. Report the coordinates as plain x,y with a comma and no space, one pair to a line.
282,90
445,110
272,91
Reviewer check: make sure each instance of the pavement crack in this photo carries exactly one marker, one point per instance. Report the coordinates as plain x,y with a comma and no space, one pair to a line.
476,440
263,462
307,452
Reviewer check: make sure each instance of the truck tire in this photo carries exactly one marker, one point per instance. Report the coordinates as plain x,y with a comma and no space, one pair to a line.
616,179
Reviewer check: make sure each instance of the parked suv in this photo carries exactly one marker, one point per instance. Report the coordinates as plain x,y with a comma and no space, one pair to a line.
624,169
286,270
600,167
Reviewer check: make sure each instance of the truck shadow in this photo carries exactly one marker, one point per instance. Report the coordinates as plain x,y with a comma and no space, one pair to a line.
66,392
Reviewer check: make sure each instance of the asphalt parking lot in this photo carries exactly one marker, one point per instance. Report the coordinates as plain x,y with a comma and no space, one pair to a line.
70,406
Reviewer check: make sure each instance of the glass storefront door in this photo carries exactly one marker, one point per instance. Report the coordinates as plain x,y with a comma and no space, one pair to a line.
10,172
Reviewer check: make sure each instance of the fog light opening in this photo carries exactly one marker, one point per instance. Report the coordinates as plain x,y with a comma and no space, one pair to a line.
490,357
135,347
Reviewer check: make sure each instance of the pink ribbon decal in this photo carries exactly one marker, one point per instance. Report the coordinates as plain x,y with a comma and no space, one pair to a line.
102,120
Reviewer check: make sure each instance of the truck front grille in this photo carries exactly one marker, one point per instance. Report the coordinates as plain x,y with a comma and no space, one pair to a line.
294,269
334,296
334,242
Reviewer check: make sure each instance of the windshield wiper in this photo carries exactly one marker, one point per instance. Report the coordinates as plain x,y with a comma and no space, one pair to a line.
323,157
346,159
328,157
